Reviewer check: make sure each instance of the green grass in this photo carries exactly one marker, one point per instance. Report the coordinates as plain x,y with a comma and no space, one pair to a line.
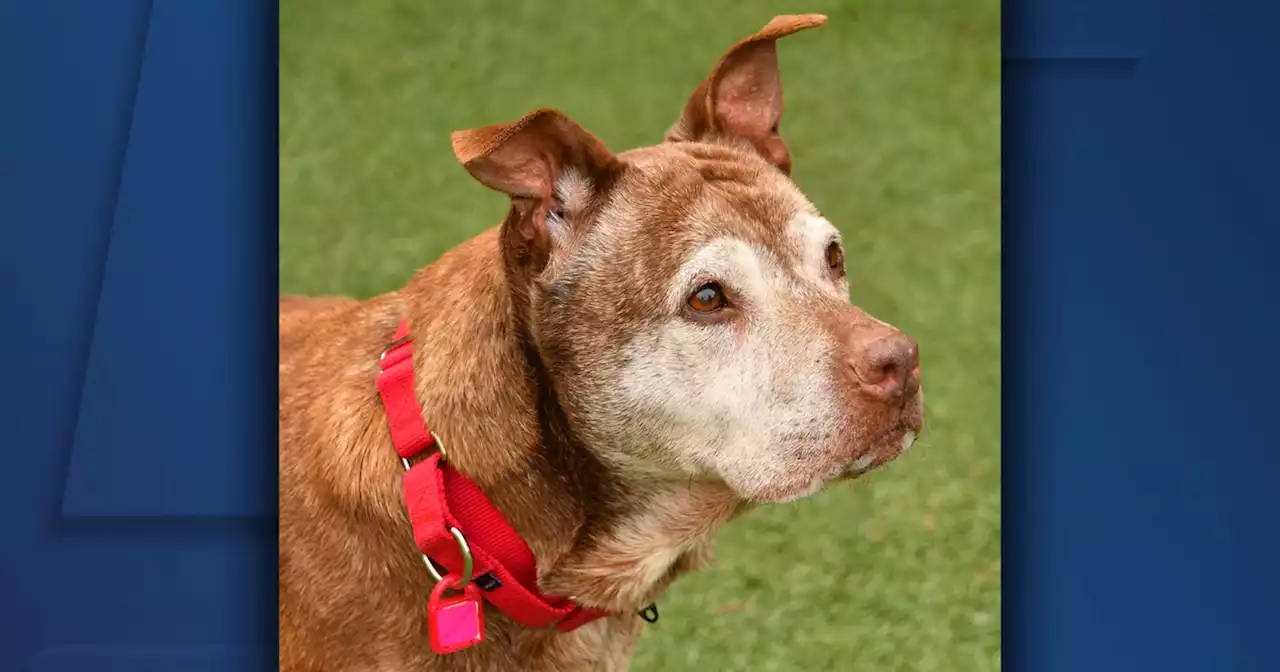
893,119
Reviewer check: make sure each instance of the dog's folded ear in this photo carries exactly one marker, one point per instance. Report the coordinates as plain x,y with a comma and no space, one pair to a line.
527,157
742,97
532,160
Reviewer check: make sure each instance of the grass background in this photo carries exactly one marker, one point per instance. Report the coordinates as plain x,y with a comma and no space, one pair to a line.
893,116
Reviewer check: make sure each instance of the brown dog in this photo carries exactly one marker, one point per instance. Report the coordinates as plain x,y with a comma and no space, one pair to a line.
649,343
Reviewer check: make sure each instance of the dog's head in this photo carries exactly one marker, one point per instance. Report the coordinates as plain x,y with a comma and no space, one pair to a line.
688,301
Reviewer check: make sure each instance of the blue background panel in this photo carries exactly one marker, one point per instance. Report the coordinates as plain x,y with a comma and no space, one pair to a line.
137,382
137,348
1139,299
178,355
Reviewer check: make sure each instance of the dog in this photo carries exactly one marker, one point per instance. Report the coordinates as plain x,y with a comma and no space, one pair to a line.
651,343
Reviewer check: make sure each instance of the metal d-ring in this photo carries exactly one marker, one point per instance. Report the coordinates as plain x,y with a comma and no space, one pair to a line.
468,562
435,442
650,613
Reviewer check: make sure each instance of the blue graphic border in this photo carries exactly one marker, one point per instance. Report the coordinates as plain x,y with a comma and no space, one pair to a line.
138,233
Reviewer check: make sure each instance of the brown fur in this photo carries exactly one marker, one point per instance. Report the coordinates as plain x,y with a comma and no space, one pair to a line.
505,373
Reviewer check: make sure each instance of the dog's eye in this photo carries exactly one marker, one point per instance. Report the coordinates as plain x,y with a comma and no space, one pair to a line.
835,259
707,299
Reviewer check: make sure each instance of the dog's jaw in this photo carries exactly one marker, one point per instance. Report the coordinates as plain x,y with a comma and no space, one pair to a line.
625,562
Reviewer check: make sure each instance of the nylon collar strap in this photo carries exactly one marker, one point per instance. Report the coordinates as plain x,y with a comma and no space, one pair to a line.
439,497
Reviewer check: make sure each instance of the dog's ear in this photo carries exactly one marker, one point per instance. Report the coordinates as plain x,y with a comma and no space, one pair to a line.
742,97
530,160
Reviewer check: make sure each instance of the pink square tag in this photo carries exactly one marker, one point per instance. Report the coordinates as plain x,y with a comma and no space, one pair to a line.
456,624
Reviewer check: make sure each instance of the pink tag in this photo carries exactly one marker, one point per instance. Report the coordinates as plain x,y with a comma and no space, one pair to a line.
457,622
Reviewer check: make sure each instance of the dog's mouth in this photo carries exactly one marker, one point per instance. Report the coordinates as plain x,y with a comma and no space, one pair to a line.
884,449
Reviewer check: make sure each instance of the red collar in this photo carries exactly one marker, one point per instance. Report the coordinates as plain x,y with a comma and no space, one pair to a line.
444,504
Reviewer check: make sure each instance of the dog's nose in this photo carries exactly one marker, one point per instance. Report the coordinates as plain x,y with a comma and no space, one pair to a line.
888,367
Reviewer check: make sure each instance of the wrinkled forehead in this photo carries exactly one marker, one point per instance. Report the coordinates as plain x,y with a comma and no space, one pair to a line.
674,199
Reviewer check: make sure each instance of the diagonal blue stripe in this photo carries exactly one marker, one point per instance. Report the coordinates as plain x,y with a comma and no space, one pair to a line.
104,248
177,416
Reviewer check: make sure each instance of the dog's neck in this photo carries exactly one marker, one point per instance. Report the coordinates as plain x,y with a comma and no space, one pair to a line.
610,538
